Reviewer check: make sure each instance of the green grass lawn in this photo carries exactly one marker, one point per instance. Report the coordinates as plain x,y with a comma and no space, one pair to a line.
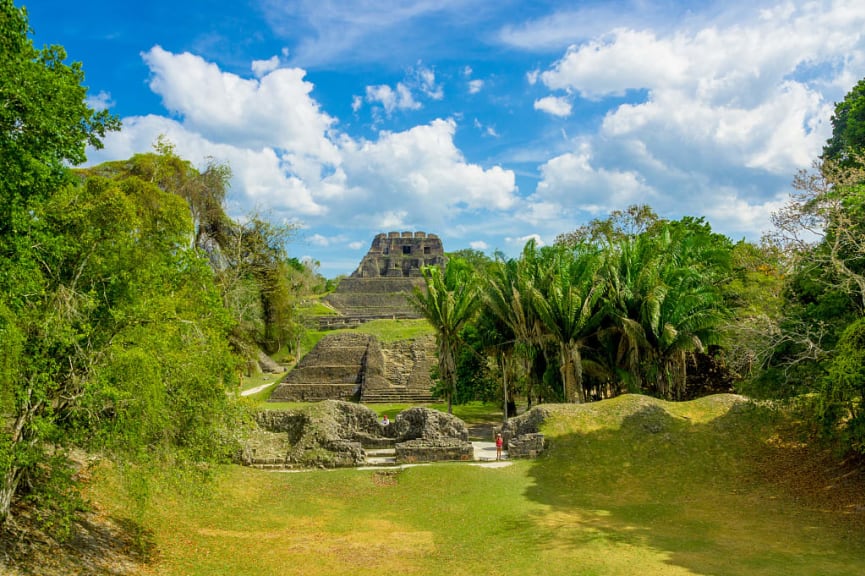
384,330
393,330
629,486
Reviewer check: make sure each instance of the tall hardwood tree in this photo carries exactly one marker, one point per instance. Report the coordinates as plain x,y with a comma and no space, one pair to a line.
44,124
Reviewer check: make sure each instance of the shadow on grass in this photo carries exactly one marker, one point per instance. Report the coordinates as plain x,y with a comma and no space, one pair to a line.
702,497
96,545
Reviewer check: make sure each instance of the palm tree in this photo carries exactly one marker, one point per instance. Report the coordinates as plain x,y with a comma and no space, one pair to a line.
689,318
677,299
569,303
630,271
508,293
448,302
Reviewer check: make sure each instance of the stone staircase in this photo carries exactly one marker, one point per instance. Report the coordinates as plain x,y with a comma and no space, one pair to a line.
380,456
397,396
371,298
354,366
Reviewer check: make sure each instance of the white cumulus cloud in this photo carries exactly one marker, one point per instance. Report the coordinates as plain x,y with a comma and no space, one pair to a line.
704,118
288,158
263,67
555,105
390,99
422,171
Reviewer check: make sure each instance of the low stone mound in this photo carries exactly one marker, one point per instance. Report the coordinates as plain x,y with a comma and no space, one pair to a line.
333,434
529,422
522,433
422,422
329,434
631,411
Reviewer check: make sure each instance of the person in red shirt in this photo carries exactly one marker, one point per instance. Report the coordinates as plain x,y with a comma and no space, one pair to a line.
499,443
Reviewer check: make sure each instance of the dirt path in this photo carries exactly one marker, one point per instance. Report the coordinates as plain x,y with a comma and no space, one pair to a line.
255,390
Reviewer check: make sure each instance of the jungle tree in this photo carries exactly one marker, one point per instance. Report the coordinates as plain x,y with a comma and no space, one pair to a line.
448,301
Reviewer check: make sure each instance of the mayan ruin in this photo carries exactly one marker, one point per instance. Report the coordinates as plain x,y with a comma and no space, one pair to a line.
357,366
389,270
401,255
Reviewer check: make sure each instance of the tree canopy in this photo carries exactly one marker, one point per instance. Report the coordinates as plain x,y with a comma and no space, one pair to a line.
113,335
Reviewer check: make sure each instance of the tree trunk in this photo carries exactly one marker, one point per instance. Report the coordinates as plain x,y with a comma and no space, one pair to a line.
572,373
505,389
7,491
565,371
577,359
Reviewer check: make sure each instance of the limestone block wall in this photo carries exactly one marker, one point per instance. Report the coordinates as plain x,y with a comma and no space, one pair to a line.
423,450
526,446
401,254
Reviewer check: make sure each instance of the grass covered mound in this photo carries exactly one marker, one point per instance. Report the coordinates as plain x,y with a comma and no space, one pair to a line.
628,486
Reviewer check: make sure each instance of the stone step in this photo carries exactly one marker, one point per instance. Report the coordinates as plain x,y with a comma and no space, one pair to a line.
397,399
404,392
376,452
380,457
381,461
325,374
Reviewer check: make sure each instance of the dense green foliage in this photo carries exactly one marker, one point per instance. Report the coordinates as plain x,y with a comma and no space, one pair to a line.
119,338
813,346
848,128
619,306
843,388
638,303
113,333
448,303
258,282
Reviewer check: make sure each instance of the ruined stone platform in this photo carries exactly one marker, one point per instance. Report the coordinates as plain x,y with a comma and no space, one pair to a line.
347,366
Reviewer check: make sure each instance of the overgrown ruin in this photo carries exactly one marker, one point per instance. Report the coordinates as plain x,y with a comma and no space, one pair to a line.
349,366
401,255
389,271
334,434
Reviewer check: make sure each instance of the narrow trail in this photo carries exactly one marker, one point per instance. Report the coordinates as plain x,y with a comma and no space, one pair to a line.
255,390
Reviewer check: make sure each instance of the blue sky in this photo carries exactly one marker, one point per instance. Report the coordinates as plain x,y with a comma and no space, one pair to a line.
487,123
